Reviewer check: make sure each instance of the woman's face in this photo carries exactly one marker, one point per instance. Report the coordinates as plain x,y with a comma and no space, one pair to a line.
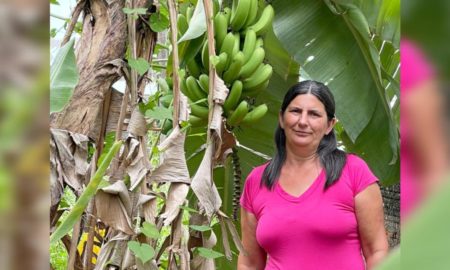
305,121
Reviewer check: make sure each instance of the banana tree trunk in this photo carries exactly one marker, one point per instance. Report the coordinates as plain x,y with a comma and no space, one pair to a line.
102,43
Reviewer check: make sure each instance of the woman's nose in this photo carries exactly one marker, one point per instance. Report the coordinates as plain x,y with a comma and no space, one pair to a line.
303,119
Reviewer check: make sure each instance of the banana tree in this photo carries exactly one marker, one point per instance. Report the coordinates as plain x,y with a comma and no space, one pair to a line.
333,41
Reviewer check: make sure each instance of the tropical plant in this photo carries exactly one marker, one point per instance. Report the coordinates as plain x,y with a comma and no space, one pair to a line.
163,203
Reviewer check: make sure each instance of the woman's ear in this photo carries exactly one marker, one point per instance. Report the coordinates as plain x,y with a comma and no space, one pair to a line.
280,120
331,124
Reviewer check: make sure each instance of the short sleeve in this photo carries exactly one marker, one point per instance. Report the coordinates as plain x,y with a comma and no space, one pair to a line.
415,66
361,174
248,194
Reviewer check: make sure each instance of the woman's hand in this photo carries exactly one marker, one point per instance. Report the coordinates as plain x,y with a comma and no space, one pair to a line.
255,257
370,217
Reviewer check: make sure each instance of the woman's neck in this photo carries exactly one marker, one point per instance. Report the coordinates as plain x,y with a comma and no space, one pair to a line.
301,158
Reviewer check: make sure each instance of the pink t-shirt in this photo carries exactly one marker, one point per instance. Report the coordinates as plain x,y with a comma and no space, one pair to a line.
315,231
414,71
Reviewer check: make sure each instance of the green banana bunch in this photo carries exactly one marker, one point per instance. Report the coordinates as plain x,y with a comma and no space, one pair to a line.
240,62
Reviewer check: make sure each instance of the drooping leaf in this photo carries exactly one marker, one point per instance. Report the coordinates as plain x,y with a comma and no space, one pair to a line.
63,77
197,25
82,202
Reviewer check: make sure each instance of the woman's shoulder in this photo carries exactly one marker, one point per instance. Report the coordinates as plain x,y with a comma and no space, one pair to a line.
255,175
257,172
354,160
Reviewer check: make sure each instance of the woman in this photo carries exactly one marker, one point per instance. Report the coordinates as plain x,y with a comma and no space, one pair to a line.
312,207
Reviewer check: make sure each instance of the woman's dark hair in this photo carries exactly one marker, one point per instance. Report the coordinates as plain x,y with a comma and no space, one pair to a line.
331,158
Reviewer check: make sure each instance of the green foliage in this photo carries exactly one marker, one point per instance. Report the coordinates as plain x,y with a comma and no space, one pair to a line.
140,65
63,77
159,113
58,256
159,21
108,142
202,228
82,202
142,251
150,230
425,237
53,32
345,58
134,12
208,253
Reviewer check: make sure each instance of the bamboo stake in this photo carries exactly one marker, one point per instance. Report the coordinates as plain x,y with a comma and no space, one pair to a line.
211,50
175,63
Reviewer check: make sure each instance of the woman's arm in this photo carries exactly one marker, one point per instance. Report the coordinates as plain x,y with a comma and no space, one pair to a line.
255,257
370,217
423,107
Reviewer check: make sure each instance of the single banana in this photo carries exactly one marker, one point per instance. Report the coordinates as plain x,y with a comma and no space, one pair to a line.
166,100
253,12
189,13
253,92
233,97
203,81
223,58
239,13
167,127
235,67
196,121
227,13
205,56
199,111
264,22
163,85
249,44
185,90
216,7
260,76
253,63
227,47
220,28
169,82
182,25
194,89
237,43
238,114
255,115
193,67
